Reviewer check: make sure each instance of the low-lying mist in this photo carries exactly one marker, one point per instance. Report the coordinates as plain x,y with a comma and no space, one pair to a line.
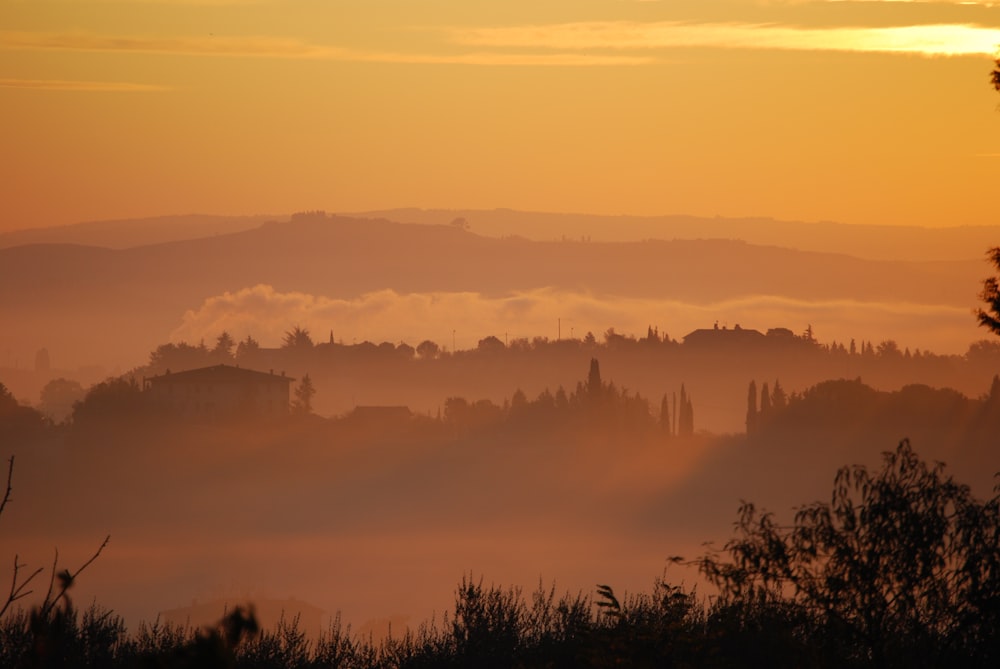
382,525
372,528
464,318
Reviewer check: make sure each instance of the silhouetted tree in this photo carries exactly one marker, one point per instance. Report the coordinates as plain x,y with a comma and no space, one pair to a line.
994,394
428,350
247,347
455,409
224,345
888,349
594,385
297,338
995,75
902,567
490,345
15,420
304,394
518,403
665,415
561,399
990,318
613,339
7,400
778,398
117,399
178,357
752,407
685,420
675,415
58,397
689,417
765,401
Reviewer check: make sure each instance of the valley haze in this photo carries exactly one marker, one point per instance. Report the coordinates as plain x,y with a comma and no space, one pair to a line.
551,303
335,306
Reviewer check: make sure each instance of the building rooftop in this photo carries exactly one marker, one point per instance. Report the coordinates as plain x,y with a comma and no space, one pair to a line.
220,374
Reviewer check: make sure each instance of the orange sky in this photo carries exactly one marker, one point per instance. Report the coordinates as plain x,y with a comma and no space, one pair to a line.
861,112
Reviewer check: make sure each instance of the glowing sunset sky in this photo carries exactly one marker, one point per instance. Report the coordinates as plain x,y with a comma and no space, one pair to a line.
861,112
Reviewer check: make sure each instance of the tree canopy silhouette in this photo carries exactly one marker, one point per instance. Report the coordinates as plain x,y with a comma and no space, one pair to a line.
297,338
903,564
304,393
990,294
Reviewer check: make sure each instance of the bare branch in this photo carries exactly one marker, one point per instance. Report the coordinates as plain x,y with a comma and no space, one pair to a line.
17,590
67,578
10,475
46,606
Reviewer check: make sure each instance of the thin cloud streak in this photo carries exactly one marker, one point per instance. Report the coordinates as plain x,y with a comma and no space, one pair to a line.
81,86
930,40
200,46
266,47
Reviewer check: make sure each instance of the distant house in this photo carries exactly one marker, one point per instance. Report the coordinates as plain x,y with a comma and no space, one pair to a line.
723,337
219,391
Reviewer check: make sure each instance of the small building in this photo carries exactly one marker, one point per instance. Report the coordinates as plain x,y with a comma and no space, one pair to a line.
220,391
722,337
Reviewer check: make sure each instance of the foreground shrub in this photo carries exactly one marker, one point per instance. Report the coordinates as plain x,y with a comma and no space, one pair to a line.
900,568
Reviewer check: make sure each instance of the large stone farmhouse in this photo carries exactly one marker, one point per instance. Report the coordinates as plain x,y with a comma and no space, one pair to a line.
738,337
219,391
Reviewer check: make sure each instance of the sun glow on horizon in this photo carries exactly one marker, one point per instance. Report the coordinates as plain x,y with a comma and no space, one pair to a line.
928,40
604,107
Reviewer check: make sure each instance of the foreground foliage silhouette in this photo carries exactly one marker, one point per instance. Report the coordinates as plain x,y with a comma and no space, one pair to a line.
900,568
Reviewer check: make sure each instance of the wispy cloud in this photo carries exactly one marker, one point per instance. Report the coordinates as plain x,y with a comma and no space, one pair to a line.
386,315
931,40
206,45
83,86
268,47
489,58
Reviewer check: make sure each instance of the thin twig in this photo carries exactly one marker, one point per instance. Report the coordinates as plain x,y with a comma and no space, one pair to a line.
10,476
69,578
17,589
52,581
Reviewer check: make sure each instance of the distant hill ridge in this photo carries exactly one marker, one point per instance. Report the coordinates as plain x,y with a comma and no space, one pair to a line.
128,233
871,242
77,299
344,257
